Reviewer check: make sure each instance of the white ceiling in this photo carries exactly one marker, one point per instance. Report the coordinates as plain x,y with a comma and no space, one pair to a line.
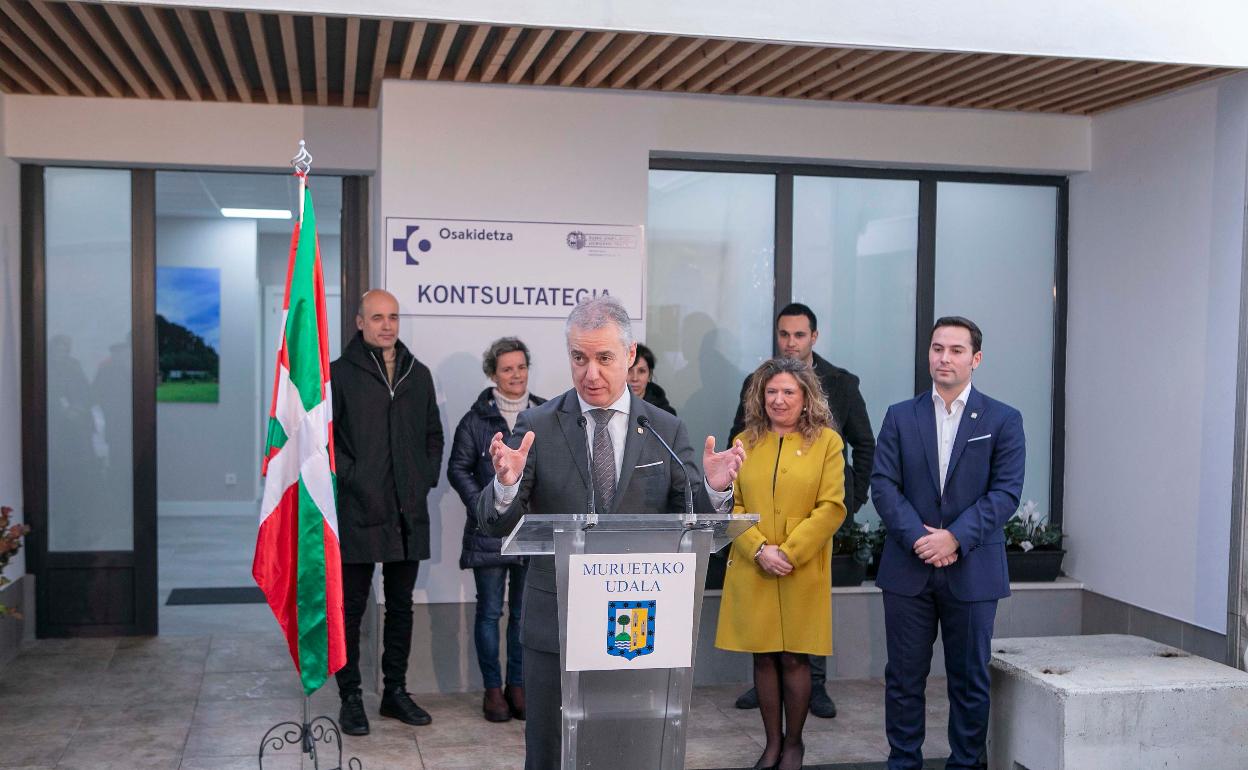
202,195
1205,32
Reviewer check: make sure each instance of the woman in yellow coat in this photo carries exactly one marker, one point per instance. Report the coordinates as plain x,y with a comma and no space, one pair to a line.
777,600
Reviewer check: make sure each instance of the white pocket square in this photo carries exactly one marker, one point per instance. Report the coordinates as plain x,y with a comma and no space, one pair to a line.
648,465
980,438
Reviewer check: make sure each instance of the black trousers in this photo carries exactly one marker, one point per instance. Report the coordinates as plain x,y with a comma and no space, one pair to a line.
398,579
818,670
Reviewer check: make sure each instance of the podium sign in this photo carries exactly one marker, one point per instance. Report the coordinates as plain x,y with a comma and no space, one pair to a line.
630,599
630,611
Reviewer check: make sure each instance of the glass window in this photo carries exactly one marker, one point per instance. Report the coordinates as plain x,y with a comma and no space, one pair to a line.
711,275
855,262
855,246
995,257
90,408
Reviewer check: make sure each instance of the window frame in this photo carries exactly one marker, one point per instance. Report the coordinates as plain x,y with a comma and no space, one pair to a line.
925,266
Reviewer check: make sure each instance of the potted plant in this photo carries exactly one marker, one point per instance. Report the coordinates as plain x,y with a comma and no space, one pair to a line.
875,542
851,552
10,543
1033,546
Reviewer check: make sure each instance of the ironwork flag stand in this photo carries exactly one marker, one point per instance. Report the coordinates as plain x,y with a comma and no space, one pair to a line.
315,737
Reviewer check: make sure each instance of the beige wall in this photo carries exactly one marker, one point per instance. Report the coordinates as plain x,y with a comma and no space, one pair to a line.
10,341
1156,261
187,134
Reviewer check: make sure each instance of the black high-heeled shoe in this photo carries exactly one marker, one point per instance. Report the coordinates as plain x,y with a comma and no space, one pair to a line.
801,748
760,766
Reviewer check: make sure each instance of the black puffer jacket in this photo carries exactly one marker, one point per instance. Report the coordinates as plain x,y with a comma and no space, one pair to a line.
387,451
657,396
469,469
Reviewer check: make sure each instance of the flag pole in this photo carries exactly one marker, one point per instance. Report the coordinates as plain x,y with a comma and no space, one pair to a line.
303,164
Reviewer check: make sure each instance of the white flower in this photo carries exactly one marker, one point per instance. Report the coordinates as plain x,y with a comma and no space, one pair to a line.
1026,546
1030,513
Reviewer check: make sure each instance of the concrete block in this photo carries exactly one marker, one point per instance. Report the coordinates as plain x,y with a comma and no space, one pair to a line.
1039,612
1113,701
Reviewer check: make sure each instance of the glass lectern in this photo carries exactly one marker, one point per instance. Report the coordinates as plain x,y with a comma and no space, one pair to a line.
625,718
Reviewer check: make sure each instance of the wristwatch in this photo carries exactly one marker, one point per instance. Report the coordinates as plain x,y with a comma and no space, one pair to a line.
759,551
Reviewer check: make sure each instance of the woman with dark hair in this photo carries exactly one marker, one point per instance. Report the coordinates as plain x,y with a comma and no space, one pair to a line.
506,362
641,380
777,600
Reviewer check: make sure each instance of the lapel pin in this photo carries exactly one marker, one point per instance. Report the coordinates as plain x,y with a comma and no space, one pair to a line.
974,415
640,431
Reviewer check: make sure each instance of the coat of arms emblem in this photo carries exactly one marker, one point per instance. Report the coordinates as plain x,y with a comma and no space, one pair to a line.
630,628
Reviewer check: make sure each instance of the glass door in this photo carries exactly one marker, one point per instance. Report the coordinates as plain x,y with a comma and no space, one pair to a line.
90,431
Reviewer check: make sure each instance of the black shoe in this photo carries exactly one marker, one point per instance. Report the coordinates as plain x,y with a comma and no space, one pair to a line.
351,717
748,699
820,704
397,704
800,750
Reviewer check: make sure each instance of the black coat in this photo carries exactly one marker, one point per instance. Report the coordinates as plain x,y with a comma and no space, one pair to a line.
469,469
658,397
388,451
849,411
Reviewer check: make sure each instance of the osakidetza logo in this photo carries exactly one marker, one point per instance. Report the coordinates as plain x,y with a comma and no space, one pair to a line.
406,243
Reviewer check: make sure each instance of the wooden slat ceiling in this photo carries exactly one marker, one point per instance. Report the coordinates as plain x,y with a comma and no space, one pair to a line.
154,52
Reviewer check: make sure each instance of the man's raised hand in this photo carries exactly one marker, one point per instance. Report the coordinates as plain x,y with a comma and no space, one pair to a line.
721,467
508,462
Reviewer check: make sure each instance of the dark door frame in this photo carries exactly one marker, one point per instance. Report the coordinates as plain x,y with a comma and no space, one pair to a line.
356,228
92,583
92,567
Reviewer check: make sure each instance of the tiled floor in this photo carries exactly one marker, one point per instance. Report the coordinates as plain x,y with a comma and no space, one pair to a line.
204,702
208,552
199,699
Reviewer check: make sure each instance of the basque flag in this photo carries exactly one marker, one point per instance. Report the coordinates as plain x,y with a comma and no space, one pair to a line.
297,562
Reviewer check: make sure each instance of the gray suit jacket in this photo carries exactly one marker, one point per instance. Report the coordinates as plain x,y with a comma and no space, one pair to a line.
556,480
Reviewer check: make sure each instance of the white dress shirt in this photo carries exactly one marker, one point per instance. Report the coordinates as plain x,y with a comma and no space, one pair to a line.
947,422
617,429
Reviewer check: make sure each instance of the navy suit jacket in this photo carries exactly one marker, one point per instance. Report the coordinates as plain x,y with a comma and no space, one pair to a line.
982,488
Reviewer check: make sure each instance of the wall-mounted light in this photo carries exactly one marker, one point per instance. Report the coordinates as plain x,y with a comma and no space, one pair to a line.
256,213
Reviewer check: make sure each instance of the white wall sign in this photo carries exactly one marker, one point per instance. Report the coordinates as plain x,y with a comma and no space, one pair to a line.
632,610
469,267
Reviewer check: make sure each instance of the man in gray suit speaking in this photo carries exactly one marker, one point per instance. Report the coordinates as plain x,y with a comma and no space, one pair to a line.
594,436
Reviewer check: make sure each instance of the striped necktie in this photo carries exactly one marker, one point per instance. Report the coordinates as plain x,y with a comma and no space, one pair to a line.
604,460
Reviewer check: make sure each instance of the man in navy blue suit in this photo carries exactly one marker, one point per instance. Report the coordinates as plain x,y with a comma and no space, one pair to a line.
948,474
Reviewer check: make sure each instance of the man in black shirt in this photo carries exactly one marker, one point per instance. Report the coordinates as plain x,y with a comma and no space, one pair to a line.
796,333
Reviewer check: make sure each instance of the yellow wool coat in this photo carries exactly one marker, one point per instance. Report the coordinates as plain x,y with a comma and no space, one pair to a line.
760,612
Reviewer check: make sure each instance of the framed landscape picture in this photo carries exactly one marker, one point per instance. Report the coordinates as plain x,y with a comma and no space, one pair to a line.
188,329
